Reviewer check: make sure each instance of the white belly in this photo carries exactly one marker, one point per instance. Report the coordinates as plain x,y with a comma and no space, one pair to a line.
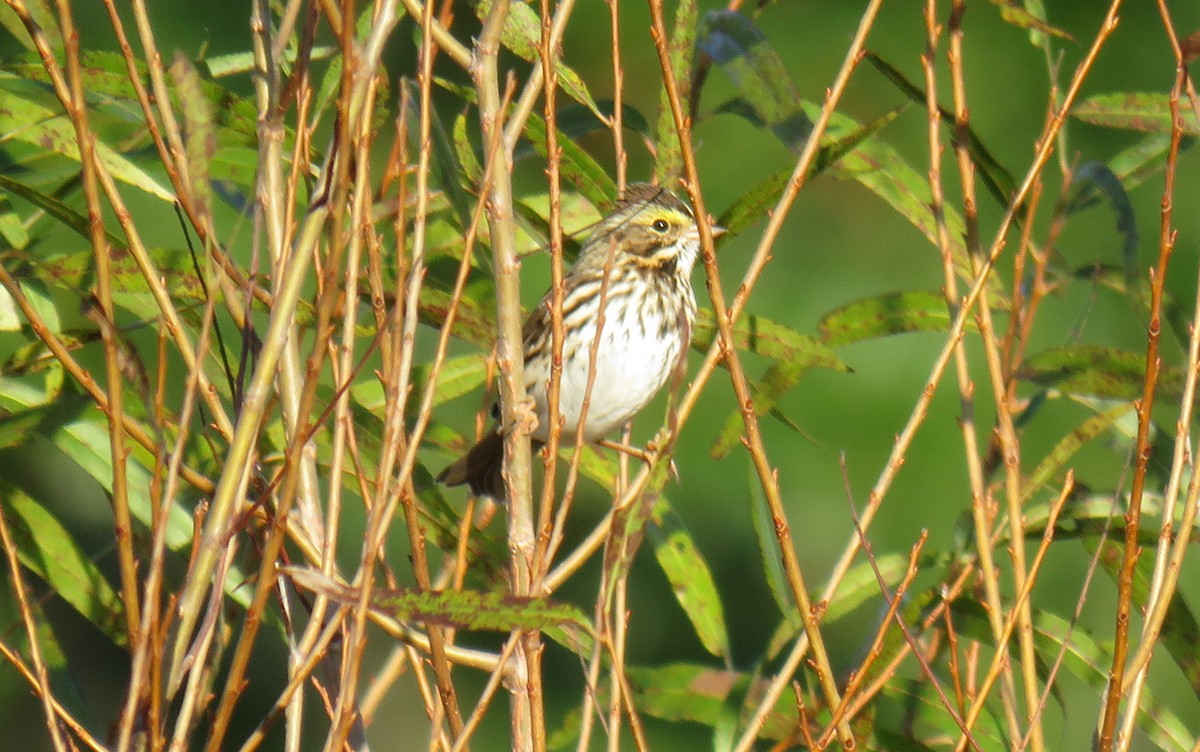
631,366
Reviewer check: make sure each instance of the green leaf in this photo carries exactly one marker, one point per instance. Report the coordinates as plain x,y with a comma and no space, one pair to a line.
12,229
740,48
200,139
468,161
680,51
10,316
576,121
762,336
689,575
795,354
1134,165
1137,291
75,272
929,721
472,322
765,393
236,63
885,315
1022,18
881,169
697,694
1091,660
19,426
1087,659
457,377
50,552
1096,371
1180,631
43,304
86,441
1095,179
859,586
65,215
461,609
43,16
522,34
493,611
577,166
1066,448
735,43
998,180
768,550
106,79
449,171
1036,37
25,120
1138,111
754,204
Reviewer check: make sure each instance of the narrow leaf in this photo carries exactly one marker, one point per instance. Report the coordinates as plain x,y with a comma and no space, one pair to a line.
65,215
1066,448
763,336
449,171
577,166
695,693
461,609
681,51
754,204
522,34
996,178
768,549
1095,179
689,575
27,121
1096,371
200,141
740,48
50,552
766,393
1138,111
885,315
1020,17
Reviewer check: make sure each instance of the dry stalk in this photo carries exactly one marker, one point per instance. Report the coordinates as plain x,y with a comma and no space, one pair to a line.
969,300
1116,688
1172,547
548,54
980,495
1012,621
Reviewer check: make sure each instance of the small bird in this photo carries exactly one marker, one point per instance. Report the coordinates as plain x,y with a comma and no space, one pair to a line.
639,259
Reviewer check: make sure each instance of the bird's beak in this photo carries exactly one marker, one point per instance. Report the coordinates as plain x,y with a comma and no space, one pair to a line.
717,231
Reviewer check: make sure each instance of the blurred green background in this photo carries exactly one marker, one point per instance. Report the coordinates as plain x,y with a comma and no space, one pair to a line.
840,243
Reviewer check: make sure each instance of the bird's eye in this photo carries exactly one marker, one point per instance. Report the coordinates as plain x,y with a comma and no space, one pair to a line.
660,225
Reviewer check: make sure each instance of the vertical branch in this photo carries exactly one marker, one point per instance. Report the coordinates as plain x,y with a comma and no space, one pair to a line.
271,211
1145,406
618,119
515,415
905,438
76,108
980,496
509,352
41,677
728,347
550,53
399,486
1172,546
1011,622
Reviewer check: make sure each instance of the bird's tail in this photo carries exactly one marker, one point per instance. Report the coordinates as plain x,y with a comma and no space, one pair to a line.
481,468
